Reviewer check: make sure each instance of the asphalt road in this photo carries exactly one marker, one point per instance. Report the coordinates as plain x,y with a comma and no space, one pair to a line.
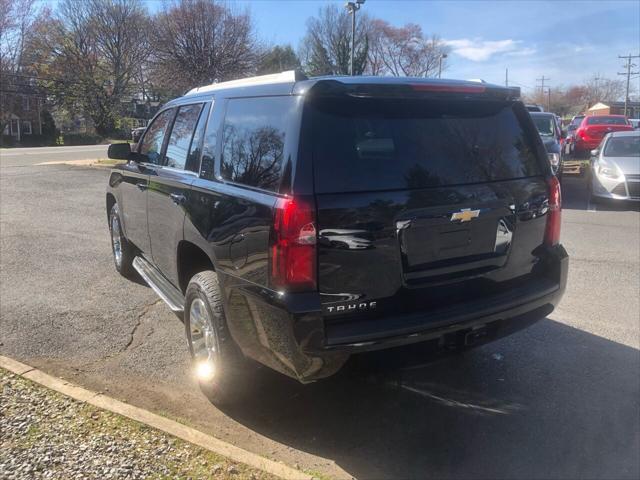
30,156
558,400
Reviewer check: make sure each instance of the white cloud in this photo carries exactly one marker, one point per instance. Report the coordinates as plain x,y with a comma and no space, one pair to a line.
479,50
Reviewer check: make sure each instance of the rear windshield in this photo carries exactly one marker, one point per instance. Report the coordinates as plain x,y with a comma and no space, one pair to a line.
375,144
544,124
575,122
606,121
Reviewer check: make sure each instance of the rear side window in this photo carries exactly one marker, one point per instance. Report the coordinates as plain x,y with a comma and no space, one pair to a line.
151,146
254,132
181,135
596,120
379,144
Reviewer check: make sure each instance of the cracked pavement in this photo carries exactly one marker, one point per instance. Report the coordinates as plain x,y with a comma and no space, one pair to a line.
558,400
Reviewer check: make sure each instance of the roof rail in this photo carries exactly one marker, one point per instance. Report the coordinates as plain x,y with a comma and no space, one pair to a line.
290,76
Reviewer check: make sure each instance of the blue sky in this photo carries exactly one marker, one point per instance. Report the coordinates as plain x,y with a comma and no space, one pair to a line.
567,41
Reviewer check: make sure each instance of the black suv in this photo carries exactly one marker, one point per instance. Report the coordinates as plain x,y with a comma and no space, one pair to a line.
298,221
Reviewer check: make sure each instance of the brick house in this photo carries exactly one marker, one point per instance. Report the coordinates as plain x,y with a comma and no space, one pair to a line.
22,114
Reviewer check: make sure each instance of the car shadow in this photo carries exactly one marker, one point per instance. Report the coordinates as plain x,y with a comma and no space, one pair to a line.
575,196
551,401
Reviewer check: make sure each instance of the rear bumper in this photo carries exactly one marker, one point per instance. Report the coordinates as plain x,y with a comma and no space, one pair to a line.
288,332
582,145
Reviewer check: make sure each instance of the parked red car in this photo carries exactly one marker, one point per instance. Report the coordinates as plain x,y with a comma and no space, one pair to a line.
593,129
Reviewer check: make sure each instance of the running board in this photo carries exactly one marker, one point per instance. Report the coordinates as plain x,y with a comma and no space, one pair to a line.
158,282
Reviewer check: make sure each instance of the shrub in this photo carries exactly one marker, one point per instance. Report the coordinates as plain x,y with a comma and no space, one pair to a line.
7,141
36,141
81,139
49,130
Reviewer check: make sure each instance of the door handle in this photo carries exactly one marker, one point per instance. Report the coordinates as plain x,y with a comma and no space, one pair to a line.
178,198
142,186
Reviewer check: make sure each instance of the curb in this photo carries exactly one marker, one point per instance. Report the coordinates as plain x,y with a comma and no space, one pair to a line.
158,422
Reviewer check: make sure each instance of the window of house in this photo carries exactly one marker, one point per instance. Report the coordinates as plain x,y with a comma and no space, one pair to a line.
181,135
26,127
253,140
151,144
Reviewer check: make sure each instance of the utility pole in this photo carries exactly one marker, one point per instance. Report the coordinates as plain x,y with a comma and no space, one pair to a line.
542,80
549,99
352,8
628,73
506,77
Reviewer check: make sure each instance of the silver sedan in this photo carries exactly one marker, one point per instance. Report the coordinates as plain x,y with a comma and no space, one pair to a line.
615,167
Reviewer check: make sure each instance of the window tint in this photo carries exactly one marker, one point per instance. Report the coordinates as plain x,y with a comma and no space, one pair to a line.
378,144
253,140
606,121
151,146
207,165
181,135
193,159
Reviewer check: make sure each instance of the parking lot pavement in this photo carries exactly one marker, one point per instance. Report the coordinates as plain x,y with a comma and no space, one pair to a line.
559,399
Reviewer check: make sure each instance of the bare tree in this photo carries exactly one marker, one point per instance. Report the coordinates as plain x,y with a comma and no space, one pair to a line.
198,42
326,48
603,90
403,51
89,55
16,19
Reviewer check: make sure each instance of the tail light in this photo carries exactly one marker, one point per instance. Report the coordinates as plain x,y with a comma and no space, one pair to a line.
581,133
293,247
552,230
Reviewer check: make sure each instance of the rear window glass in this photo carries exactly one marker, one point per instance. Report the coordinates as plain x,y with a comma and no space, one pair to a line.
544,124
377,144
606,121
253,140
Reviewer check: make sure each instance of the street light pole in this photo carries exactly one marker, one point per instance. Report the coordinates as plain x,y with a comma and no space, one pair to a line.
442,55
352,7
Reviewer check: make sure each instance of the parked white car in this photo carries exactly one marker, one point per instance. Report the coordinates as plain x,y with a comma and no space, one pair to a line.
615,167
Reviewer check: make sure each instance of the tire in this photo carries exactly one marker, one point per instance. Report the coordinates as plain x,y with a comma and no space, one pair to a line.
219,364
123,251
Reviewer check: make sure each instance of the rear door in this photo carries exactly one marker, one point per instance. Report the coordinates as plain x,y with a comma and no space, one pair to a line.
136,180
169,186
423,204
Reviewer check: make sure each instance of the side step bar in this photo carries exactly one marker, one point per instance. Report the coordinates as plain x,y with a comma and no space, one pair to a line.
165,290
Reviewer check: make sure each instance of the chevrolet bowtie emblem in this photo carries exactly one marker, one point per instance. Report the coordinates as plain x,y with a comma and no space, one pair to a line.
465,215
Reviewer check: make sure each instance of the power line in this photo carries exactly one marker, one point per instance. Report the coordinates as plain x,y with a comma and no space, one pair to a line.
628,73
542,80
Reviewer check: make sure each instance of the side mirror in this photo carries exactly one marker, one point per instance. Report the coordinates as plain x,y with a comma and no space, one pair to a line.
119,151
595,152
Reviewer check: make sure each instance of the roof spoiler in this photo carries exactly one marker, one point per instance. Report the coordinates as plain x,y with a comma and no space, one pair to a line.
478,90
